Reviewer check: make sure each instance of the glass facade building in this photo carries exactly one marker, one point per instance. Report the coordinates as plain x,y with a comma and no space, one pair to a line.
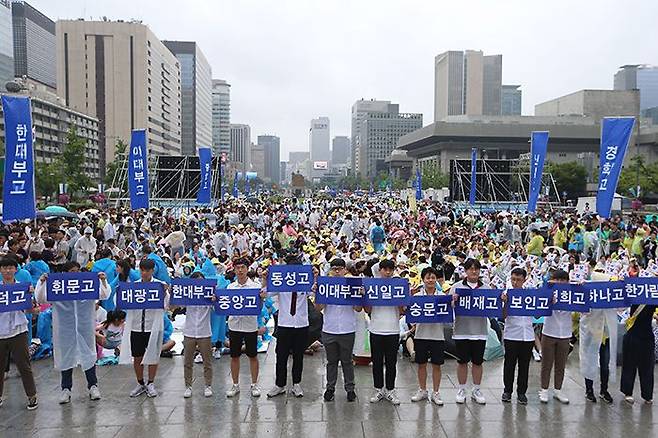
35,45
511,100
6,45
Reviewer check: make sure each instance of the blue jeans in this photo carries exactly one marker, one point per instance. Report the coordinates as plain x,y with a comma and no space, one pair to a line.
90,374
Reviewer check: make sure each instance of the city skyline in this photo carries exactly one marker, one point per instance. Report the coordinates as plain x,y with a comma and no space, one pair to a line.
303,77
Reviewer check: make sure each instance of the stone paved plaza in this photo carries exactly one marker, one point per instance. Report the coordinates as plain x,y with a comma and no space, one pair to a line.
170,415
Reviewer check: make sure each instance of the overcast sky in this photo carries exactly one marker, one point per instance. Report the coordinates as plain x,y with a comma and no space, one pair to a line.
290,61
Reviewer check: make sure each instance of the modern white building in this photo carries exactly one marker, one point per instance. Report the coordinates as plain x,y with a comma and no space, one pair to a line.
221,116
6,44
319,140
241,145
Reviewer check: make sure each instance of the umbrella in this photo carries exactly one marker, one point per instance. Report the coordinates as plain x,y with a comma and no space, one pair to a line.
89,211
443,219
539,226
56,209
559,250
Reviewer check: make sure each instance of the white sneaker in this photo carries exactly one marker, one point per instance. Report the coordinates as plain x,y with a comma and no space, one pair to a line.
2,401
420,395
94,393
139,390
460,397
188,392
377,396
233,390
629,399
276,390
536,355
255,390
392,397
151,391
436,398
207,392
478,397
65,397
198,358
297,390
543,395
216,354
557,395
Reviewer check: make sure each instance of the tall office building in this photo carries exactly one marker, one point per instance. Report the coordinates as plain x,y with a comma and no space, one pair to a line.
257,159
642,77
35,45
378,137
360,110
467,83
221,116
510,104
122,74
272,149
319,139
6,45
196,96
240,145
340,150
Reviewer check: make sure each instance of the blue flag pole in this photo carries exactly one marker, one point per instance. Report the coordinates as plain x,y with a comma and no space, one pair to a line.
472,194
235,186
419,185
205,160
538,147
19,201
138,178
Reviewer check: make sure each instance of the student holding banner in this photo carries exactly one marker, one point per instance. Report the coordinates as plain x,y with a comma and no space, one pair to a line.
338,333
470,335
429,343
243,331
384,342
14,338
519,338
142,340
556,334
291,336
74,329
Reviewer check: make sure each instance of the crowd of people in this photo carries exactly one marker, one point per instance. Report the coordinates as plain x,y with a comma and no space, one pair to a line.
437,248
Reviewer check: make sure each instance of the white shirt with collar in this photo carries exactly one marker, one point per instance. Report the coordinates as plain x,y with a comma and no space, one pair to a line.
300,319
558,325
246,324
143,319
339,320
197,322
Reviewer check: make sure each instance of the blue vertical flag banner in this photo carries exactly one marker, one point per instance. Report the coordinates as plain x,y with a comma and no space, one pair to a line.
538,147
235,186
615,135
246,185
72,286
18,184
471,195
15,297
419,185
289,278
430,308
371,190
138,178
205,160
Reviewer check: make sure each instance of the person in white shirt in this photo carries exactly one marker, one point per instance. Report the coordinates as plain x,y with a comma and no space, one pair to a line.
243,330
429,344
142,343
74,329
556,334
338,332
196,335
14,339
85,248
291,335
519,339
470,336
384,342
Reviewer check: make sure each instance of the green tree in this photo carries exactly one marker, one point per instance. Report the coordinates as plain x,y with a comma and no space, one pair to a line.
114,167
71,162
569,177
47,177
638,173
432,178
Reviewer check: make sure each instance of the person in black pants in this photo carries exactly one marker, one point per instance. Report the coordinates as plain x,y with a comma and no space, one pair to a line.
384,342
291,335
604,360
638,354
